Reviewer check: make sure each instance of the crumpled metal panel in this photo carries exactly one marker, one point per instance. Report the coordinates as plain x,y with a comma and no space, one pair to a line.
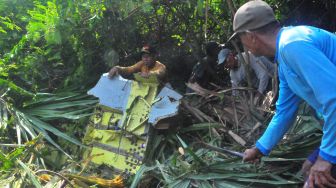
113,92
124,152
117,132
138,107
166,106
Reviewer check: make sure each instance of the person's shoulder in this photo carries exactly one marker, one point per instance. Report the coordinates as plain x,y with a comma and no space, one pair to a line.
139,63
160,64
303,29
301,33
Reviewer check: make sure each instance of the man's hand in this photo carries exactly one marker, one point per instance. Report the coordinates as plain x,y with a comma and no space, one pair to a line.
320,175
144,74
252,155
305,169
113,72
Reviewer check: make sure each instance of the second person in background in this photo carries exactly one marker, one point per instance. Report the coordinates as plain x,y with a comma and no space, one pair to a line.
262,70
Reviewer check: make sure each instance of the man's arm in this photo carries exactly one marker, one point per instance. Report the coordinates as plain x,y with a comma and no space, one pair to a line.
113,71
286,109
159,70
131,69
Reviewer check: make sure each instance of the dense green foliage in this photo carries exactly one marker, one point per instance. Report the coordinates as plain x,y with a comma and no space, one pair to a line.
63,46
48,45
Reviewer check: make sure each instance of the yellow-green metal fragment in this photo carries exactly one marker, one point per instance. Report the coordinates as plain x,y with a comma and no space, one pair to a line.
122,144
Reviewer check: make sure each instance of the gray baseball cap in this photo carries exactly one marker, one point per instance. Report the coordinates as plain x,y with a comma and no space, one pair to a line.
252,15
222,55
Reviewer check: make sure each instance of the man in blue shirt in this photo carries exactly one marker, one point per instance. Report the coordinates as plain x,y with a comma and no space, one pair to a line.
306,58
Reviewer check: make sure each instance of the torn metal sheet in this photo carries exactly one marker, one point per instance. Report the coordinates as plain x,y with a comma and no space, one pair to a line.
113,92
117,132
166,106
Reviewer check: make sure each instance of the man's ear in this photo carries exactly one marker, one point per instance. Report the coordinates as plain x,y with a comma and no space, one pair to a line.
253,37
258,37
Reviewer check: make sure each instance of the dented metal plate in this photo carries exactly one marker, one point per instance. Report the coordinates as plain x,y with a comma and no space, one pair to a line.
166,105
117,132
113,93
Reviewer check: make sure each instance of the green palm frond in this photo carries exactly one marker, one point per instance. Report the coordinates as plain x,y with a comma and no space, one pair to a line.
66,105
30,174
18,162
43,114
218,170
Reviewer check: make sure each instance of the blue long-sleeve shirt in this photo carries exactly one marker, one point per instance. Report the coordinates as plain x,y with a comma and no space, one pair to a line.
307,70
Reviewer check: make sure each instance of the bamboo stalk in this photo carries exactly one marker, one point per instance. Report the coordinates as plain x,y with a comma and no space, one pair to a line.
206,19
235,114
231,7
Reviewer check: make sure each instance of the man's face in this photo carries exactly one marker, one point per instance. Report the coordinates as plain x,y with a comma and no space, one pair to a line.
231,62
148,59
252,43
